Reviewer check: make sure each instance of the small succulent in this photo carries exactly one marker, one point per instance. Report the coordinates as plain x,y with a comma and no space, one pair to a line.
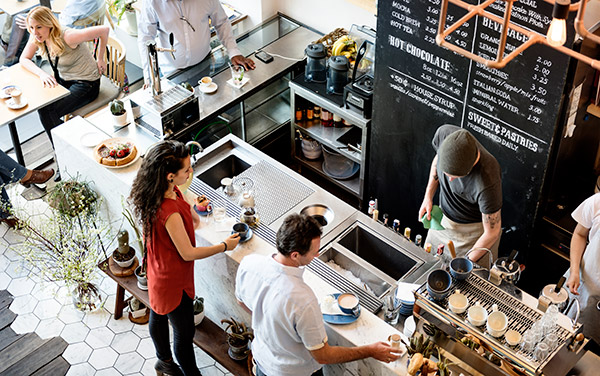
117,107
186,85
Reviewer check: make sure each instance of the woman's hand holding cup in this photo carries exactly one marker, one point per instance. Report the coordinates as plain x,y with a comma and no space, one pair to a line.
232,241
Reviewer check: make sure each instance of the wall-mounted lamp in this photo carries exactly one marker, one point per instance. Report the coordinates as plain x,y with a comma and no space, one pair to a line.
556,37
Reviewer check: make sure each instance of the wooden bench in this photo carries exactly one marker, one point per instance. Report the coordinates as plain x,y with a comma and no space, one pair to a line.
210,337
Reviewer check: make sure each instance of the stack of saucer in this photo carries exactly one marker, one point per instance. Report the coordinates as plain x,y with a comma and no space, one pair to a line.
405,297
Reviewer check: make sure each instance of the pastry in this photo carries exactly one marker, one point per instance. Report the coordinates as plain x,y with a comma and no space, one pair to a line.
115,153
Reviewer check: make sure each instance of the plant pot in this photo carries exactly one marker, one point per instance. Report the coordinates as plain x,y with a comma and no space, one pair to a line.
131,23
120,120
126,262
86,297
198,318
238,352
142,281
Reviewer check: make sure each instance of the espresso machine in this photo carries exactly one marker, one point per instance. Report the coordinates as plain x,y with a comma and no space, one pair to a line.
522,311
166,108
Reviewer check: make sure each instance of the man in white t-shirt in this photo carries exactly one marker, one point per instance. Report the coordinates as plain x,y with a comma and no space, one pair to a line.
290,338
583,276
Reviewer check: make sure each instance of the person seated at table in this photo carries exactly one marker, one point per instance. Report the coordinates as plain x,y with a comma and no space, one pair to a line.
72,62
11,172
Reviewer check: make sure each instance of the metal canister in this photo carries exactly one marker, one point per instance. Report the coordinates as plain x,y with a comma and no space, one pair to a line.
407,232
396,225
418,239
428,247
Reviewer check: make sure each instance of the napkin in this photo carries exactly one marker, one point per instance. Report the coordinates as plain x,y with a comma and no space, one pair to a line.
244,80
331,309
436,219
405,291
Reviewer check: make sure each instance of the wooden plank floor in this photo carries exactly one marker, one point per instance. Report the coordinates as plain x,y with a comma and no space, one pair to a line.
27,354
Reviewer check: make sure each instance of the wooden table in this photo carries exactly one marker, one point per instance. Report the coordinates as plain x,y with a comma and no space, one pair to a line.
12,7
210,337
34,92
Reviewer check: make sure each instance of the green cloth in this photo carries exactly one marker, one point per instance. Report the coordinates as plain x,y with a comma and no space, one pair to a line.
436,219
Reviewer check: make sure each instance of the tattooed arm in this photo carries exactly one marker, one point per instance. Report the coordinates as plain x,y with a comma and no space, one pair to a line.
492,228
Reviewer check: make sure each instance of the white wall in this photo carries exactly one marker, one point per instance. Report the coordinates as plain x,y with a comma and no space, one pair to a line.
323,15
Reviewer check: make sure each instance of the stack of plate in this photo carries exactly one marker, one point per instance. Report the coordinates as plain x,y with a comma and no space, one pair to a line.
406,297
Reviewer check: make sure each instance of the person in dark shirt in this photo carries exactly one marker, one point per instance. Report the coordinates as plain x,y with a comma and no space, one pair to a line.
470,183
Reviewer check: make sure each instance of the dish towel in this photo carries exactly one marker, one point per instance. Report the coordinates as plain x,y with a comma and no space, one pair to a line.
436,219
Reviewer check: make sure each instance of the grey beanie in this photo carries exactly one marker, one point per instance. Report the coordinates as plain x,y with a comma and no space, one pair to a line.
458,153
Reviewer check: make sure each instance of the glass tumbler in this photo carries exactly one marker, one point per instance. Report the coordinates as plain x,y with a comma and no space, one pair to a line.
219,214
551,340
527,342
541,351
237,75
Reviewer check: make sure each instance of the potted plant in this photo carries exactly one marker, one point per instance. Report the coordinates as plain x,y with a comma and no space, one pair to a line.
198,310
124,254
119,8
238,338
138,312
140,271
68,243
117,108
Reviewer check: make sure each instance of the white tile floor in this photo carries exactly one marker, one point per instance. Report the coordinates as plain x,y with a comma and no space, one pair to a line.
98,344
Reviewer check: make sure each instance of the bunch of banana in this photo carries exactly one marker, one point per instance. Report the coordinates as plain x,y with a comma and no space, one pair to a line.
344,46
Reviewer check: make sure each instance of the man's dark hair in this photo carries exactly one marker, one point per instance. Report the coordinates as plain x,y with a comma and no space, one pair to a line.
296,233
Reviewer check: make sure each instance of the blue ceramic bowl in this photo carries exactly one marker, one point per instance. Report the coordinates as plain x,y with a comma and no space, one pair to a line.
460,268
439,283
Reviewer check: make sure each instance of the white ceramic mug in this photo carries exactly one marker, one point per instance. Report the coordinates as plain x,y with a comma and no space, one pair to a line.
497,322
205,82
458,302
16,96
477,314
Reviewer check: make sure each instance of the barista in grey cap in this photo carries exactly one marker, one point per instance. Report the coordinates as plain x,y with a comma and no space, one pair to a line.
470,193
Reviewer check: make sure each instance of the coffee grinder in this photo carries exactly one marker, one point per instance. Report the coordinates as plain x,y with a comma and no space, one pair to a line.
358,93
316,63
337,74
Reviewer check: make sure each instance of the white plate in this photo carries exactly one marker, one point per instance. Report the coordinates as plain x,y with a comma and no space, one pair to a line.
209,88
91,139
10,103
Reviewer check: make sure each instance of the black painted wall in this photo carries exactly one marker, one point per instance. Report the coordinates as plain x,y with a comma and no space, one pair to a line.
514,112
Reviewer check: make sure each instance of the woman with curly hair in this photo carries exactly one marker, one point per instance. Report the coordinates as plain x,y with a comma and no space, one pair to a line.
168,223
73,64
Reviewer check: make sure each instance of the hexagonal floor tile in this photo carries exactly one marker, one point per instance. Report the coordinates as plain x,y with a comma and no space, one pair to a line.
13,237
141,331
5,280
148,367
129,362
125,342
25,323
103,358
108,372
17,269
20,286
47,309
45,290
99,337
211,371
146,348
96,319
83,369
4,261
75,332
23,304
48,328
69,314
202,358
121,325
77,353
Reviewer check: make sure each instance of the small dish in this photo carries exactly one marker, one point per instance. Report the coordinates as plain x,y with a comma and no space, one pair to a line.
203,212
10,103
248,235
3,92
208,89
91,139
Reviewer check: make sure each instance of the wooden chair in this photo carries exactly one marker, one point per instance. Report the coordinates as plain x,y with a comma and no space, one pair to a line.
111,81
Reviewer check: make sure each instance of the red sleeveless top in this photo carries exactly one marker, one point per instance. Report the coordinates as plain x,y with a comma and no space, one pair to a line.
168,274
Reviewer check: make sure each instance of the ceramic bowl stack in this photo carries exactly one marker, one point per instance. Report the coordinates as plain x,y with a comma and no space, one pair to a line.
311,149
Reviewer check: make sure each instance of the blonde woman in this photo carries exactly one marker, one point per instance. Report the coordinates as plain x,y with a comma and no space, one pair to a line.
73,64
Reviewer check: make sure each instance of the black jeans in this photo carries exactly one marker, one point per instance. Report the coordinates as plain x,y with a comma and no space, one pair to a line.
82,93
182,321
259,372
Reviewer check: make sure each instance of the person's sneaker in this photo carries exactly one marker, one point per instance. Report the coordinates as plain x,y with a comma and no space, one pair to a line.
38,177
167,368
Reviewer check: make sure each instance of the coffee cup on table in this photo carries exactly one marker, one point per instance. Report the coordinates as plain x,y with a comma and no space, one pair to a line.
242,229
16,96
348,303
205,82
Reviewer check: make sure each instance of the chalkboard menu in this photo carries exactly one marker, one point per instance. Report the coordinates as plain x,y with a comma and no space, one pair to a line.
419,86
